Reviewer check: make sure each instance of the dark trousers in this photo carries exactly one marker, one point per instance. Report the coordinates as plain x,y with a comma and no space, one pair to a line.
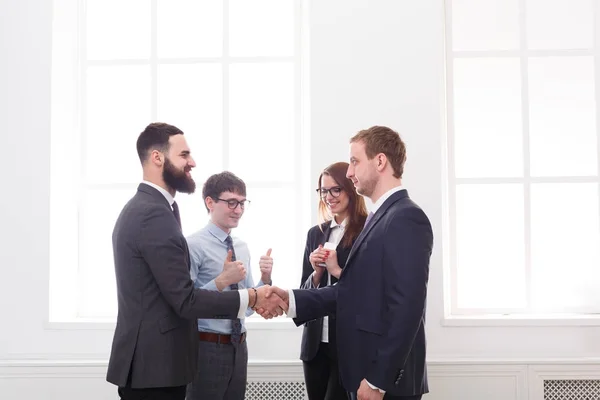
352,396
321,375
222,372
166,393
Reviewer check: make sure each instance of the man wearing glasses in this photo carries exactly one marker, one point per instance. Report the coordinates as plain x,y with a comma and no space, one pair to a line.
220,262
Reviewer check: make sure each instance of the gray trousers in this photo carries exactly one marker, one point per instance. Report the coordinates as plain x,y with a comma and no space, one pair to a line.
222,372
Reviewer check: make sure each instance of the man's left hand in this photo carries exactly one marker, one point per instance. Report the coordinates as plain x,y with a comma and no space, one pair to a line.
366,393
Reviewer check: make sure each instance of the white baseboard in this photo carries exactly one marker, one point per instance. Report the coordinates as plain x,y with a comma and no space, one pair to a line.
448,379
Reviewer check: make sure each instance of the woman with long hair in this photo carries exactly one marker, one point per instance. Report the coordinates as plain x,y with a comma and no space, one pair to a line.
342,215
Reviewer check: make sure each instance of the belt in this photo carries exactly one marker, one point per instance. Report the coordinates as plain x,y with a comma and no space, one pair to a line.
218,338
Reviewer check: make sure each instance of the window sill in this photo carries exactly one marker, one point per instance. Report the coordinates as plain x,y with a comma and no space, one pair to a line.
530,320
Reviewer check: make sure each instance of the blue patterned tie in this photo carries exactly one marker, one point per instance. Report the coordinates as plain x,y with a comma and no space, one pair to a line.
236,328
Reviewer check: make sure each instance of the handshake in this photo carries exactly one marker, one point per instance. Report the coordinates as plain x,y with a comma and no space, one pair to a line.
269,301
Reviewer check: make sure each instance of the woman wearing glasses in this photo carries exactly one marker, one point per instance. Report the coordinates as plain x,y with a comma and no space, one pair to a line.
328,244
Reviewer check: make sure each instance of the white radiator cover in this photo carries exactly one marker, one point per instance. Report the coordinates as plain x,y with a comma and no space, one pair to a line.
572,389
280,381
269,390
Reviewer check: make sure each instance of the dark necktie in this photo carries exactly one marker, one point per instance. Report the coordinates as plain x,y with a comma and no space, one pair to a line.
369,217
176,212
236,328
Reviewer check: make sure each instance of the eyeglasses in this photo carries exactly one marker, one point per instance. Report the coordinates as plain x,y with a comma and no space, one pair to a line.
233,203
334,191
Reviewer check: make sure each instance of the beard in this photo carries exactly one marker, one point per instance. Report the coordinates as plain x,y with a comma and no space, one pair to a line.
177,179
367,187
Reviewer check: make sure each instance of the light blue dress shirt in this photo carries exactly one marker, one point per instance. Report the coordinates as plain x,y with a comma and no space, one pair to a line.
208,251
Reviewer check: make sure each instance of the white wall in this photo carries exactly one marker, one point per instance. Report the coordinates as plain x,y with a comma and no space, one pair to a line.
371,62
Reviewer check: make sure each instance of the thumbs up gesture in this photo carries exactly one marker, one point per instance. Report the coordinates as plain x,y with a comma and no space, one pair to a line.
266,267
233,272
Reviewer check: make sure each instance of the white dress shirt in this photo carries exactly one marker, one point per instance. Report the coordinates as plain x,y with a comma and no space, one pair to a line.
335,237
244,297
167,195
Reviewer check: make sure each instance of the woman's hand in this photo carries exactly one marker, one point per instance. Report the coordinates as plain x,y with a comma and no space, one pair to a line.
317,257
332,263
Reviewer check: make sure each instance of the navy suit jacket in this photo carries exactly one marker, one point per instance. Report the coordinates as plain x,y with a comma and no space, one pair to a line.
380,301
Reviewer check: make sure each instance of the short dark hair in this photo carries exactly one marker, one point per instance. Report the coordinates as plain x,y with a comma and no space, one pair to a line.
223,182
381,139
155,137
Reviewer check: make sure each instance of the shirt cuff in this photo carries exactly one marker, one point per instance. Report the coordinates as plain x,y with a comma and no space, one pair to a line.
374,387
210,286
244,299
313,282
291,313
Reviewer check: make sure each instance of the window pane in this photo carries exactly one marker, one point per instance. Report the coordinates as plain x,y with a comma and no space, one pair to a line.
565,251
191,98
190,28
490,250
560,24
487,118
485,24
98,214
261,28
258,228
118,109
191,206
118,29
262,121
562,116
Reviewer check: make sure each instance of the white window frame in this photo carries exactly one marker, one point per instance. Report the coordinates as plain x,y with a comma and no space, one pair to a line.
68,140
453,316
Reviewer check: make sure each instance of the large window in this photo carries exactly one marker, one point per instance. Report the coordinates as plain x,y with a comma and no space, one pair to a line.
523,93
227,73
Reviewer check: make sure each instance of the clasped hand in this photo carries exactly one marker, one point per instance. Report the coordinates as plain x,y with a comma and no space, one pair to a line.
271,301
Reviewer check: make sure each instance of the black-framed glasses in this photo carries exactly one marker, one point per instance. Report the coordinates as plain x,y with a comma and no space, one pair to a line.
334,191
233,203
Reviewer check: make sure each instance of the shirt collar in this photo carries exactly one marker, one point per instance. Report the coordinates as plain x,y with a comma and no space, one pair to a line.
384,197
216,231
334,223
167,195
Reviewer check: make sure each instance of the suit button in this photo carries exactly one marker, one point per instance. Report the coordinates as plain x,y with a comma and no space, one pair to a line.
399,377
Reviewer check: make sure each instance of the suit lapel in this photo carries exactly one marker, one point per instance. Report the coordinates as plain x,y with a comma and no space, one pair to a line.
325,238
342,253
326,233
342,256
158,196
378,215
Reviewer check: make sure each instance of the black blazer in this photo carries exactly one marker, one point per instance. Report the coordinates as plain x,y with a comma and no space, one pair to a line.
313,330
155,342
380,301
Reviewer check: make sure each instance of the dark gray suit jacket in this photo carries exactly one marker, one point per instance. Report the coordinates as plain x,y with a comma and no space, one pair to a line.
155,341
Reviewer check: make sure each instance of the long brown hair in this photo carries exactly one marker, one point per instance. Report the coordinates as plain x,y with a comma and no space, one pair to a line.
357,210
